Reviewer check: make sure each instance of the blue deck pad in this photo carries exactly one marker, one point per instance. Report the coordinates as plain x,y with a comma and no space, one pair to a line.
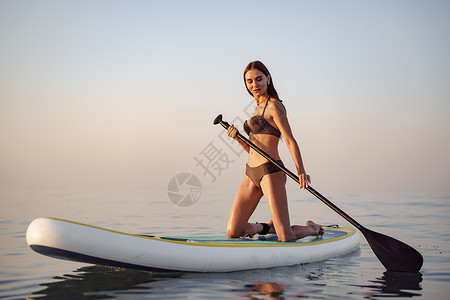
258,239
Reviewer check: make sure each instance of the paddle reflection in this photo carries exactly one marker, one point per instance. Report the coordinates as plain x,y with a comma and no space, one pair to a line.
98,282
396,284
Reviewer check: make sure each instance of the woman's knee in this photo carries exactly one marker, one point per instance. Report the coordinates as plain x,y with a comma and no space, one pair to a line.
233,232
286,237
285,234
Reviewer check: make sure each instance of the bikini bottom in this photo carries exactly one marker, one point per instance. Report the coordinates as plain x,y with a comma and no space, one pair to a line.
257,173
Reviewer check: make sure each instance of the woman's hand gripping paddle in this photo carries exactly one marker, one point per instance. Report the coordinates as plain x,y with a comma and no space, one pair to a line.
393,254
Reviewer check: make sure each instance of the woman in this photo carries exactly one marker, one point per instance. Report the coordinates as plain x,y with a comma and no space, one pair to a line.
268,123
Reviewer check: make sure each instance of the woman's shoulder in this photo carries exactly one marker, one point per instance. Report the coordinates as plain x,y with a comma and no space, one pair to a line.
276,107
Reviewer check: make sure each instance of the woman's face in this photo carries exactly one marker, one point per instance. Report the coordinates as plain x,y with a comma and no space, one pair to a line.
256,82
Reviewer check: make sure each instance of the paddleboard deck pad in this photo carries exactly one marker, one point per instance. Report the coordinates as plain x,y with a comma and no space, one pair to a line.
90,244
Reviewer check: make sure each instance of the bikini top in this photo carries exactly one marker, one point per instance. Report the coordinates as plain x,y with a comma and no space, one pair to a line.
259,125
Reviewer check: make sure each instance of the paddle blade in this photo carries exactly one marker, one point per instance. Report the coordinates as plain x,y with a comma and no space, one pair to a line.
393,254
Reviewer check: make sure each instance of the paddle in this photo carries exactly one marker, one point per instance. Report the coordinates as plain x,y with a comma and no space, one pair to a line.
393,254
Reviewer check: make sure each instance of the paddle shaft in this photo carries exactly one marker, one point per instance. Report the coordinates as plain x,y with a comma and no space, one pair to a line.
293,176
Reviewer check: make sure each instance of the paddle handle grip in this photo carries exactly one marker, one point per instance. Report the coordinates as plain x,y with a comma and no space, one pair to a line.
310,189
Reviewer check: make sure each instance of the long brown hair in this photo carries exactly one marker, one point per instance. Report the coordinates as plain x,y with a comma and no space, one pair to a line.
261,67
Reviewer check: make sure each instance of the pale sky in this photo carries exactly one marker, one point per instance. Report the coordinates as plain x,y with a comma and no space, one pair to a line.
123,93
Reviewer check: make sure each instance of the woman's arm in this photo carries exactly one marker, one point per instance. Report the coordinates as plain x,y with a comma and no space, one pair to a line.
279,117
232,132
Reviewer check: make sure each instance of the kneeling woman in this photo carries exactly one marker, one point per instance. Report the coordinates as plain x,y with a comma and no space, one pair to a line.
268,123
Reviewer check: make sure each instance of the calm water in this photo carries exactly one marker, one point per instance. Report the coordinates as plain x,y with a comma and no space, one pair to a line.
419,219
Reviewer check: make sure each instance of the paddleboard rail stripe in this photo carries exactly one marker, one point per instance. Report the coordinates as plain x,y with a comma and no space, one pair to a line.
234,243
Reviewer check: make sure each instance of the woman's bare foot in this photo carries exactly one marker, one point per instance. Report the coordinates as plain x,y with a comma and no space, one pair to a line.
315,228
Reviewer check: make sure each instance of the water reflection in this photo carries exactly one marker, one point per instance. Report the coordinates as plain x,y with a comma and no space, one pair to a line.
395,284
271,290
99,282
